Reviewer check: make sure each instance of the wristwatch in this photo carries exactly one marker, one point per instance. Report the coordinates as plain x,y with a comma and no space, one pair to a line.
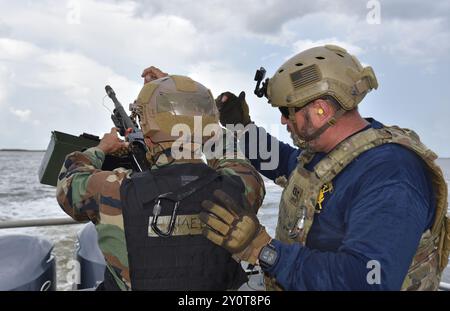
267,256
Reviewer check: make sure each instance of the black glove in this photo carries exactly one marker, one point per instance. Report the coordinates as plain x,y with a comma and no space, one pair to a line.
232,109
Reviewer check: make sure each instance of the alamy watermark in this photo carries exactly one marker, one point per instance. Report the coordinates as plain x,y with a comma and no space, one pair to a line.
73,277
373,17
225,144
374,275
73,16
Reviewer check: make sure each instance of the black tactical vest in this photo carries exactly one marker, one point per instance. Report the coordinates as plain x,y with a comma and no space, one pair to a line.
185,260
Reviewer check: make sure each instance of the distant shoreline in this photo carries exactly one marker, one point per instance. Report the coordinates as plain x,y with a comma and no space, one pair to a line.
27,150
20,150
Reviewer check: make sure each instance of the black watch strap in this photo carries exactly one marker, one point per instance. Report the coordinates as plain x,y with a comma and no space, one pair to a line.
267,256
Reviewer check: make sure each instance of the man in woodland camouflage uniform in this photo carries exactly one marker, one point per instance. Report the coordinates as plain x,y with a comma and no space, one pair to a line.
148,225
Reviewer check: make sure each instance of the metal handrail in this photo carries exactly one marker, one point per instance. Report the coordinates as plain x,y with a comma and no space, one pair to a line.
69,221
11,224
444,286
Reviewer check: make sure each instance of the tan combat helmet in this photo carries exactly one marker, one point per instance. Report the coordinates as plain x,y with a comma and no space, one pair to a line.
174,100
321,71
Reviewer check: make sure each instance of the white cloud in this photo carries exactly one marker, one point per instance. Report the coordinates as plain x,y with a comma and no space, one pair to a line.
4,73
15,50
58,90
250,16
77,76
302,45
221,77
80,78
173,33
109,32
425,45
23,115
420,41
269,16
58,70
423,41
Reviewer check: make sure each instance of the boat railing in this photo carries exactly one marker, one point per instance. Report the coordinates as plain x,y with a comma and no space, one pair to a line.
13,224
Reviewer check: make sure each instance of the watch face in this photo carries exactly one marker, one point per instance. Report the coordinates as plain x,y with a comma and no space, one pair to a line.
268,255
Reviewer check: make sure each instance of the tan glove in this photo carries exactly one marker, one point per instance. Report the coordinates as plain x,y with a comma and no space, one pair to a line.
152,73
233,227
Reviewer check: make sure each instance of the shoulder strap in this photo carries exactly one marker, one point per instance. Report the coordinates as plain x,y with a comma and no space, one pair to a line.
147,190
347,151
190,188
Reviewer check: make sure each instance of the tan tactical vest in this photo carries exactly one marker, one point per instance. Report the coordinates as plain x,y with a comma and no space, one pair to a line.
301,195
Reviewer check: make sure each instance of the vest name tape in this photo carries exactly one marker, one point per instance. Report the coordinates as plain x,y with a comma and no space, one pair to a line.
184,225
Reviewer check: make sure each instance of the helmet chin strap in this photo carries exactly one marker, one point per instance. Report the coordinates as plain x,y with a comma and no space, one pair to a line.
295,135
303,142
157,150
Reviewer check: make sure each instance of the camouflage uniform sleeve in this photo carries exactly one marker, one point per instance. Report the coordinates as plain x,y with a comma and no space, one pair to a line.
81,182
233,162
85,192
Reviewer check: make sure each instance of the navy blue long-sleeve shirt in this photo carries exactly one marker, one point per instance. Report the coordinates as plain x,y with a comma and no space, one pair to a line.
381,204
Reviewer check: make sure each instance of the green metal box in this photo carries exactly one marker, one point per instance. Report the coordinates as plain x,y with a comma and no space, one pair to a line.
61,144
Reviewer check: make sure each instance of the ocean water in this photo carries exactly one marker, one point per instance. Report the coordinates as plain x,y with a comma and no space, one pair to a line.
23,197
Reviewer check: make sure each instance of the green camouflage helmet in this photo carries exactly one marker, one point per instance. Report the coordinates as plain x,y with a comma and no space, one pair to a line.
320,71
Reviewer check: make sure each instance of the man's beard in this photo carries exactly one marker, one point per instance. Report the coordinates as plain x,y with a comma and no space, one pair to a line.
307,129
301,139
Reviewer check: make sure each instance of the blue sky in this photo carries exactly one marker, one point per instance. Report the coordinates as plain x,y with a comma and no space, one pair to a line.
57,56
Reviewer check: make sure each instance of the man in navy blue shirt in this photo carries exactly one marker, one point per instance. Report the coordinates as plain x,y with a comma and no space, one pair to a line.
364,205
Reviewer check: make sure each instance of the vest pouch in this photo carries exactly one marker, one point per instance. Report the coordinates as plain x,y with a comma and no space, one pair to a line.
423,275
444,249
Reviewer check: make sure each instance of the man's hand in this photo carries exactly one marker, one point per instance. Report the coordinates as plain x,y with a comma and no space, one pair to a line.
233,227
152,73
232,109
111,142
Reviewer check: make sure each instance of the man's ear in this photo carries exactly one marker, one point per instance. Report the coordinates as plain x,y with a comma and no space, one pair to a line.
322,108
